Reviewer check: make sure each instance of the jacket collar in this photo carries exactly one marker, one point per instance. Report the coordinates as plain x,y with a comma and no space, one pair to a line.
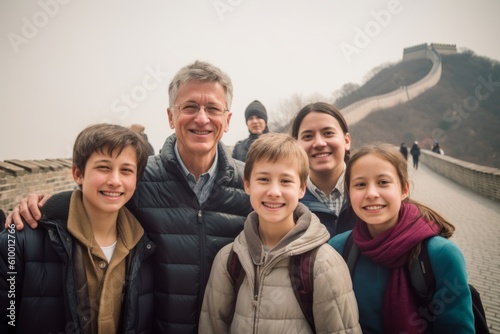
225,164
307,234
129,229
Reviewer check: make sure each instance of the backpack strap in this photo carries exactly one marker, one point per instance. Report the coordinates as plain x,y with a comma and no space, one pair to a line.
235,270
422,276
478,310
301,269
424,284
350,254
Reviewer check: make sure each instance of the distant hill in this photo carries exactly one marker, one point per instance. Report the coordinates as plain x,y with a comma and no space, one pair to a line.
462,112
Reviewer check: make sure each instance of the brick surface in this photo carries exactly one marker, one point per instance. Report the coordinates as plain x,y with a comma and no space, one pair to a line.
477,222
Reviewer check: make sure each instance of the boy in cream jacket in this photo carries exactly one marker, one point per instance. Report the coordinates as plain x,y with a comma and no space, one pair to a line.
279,227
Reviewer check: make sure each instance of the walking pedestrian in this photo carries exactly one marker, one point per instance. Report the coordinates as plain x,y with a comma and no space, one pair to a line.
404,150
415,154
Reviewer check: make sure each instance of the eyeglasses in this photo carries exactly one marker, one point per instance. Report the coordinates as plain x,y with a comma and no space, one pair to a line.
191,109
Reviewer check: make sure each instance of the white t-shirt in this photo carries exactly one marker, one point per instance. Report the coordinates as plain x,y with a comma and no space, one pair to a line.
108,250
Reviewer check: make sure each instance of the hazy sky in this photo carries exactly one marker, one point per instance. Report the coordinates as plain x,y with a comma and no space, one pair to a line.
68,64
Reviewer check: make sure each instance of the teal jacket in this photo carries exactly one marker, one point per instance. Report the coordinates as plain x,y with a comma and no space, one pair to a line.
452,299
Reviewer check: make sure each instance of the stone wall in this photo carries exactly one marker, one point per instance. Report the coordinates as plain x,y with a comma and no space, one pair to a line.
19,178
483,180
360,109
420,51
415,52
445,49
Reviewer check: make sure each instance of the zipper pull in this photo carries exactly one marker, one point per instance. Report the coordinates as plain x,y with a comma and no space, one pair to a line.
256,283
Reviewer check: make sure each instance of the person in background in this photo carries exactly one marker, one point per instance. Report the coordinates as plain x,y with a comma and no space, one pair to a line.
322,132
404,150
280,227
190,200
436,148
256,120
140,130
415,154
87,265
389,234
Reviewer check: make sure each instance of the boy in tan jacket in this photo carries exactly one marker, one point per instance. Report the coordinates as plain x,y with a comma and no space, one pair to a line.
279,227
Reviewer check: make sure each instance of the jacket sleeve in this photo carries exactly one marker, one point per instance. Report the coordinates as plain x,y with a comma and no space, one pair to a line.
219,301
234,154
334,304
11,278
452,300
238,151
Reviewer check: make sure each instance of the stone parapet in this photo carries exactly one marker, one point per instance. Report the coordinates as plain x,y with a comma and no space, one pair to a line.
19,178
480,179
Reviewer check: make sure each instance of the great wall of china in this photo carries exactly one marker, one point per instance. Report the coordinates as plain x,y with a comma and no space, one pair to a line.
21,177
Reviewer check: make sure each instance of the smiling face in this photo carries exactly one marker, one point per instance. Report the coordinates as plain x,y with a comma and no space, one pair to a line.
198,134
376,192
321,136
275,189
108,181
256,125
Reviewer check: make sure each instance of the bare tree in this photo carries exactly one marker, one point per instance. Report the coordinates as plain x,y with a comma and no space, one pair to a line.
346,90
282,118
287,109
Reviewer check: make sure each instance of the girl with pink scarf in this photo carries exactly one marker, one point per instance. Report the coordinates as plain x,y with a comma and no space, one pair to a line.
389,232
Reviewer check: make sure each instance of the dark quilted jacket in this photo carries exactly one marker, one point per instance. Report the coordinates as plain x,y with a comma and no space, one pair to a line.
241,148
47,302
334,224
188,235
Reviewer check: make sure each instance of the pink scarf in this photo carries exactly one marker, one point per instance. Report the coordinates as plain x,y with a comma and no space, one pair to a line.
390,249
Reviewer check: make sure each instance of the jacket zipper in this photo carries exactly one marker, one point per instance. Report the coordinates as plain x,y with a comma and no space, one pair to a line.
258,272
204,271
255,298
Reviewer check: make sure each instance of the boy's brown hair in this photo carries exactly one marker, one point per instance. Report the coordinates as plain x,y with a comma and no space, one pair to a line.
106,139
273,147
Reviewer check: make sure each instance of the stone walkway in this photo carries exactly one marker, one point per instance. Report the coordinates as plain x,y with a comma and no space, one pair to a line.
477,222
